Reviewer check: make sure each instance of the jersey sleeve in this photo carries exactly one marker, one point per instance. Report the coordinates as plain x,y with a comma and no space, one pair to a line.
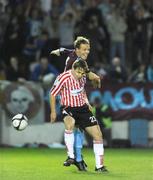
57,86
64,51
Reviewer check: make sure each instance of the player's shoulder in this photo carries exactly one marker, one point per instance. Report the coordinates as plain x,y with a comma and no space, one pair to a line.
73,54
65,75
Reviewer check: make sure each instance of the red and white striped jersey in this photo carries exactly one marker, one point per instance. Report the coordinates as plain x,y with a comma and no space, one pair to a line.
70,89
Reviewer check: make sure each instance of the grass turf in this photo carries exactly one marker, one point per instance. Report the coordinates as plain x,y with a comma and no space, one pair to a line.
46,164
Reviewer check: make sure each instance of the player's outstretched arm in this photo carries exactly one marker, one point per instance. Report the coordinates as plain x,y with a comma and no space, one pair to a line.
61,51
95,79
53,108
55,52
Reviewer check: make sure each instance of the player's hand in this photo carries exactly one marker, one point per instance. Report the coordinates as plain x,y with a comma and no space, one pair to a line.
90,107
96,83
52,117
55,52
95,79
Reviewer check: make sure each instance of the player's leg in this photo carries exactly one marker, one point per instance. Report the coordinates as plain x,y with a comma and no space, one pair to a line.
88,122
78,145
69,139
98,147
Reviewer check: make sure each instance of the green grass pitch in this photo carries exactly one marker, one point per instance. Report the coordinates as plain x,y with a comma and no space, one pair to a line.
46,164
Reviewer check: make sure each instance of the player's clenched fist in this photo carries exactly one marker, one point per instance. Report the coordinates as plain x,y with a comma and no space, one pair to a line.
95,79
55,52
96,83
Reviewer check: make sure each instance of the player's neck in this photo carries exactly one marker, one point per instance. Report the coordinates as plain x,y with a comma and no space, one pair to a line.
74,74
78,55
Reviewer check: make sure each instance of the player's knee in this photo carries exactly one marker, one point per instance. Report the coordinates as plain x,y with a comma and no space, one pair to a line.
69,123
69,126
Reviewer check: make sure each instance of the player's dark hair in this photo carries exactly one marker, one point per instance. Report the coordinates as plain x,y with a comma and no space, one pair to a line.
80,63
80,40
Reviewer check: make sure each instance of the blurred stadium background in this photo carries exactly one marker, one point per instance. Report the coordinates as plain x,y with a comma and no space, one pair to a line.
121,36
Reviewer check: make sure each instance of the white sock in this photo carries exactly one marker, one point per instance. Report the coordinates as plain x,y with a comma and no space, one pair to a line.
69,142
99,153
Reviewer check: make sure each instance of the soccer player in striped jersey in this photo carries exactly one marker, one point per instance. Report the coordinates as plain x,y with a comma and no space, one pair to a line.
75,110
81,49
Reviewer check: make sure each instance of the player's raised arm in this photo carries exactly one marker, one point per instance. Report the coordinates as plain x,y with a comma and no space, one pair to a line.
61,51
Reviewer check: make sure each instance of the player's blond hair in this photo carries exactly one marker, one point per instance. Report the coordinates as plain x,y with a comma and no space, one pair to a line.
80,40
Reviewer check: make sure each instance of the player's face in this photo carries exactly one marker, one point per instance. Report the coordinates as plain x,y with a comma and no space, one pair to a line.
79,73
83,51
